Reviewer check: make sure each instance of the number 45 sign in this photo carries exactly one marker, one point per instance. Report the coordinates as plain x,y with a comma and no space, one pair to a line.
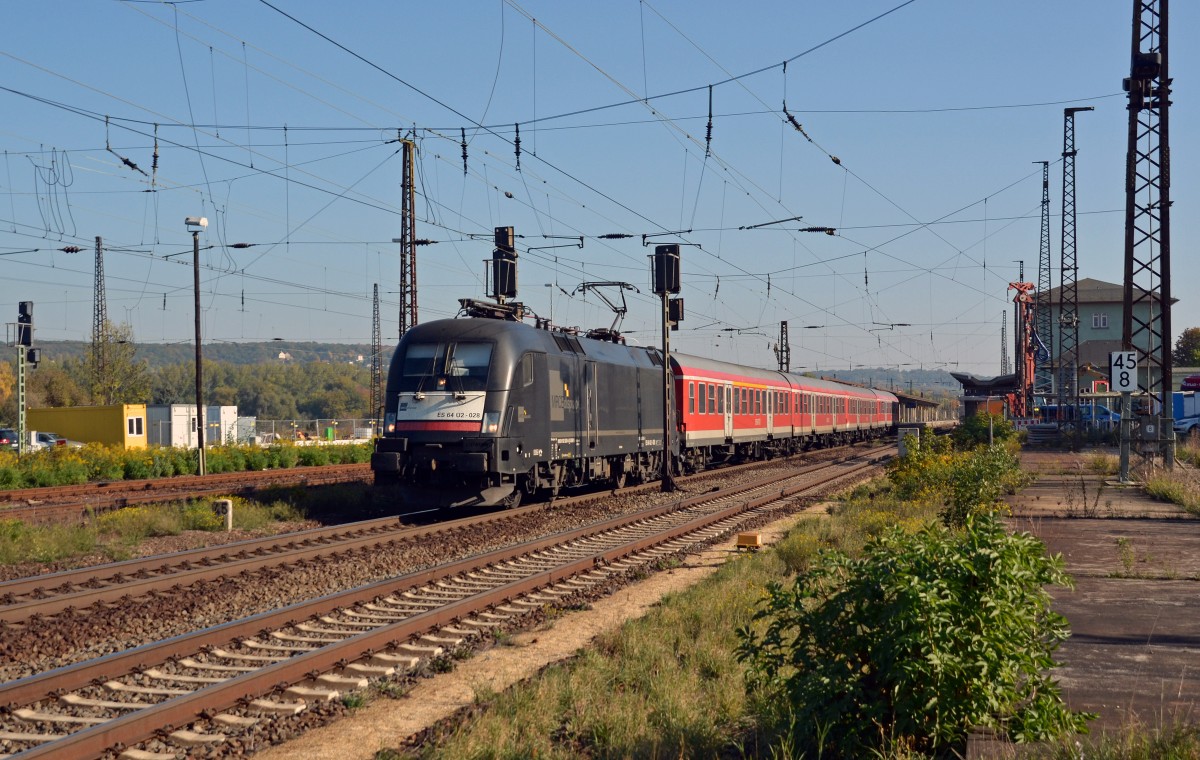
1122,371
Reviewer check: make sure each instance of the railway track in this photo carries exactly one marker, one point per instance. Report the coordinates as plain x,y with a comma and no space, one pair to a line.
77,502
78,589
222,681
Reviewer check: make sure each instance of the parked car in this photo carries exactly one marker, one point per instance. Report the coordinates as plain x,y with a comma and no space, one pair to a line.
8,437
1190,383
1101,413
1185,426
47,440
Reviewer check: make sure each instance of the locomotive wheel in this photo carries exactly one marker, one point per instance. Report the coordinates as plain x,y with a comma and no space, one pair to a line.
513,500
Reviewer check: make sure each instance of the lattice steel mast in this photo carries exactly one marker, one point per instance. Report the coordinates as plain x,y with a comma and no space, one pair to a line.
376,362
1146,321
99,323
1043,384
1004,342
1068,292
408,242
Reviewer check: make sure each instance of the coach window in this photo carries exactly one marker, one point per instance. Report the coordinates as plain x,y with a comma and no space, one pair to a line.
721,393
691,398
702,392
712,398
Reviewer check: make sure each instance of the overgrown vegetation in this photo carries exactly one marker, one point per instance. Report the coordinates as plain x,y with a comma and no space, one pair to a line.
116,534
1179,486
925,636
63,465
879,631
965,482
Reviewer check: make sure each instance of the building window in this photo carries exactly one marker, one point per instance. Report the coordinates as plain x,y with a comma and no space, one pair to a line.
134,425
1099,321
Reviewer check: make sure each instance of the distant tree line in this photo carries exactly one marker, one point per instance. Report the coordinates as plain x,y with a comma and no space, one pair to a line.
269,388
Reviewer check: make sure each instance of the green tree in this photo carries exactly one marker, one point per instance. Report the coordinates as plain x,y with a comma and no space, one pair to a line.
926,636
1187,348
117,377
8,392
55,384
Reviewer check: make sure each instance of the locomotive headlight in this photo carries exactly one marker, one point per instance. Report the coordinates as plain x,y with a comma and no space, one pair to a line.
491,422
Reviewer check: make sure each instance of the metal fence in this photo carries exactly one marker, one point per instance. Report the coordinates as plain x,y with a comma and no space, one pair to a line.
327,430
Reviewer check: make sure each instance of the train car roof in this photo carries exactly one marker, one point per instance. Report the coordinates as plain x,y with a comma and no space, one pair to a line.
685,362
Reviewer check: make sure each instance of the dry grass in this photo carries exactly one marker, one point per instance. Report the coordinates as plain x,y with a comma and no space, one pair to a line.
117,533
1179,486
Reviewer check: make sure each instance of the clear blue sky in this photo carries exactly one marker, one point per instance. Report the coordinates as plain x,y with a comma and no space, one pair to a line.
936,112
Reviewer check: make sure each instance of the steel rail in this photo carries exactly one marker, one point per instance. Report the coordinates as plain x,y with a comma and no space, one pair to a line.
31,688
77,502
145,723
206,563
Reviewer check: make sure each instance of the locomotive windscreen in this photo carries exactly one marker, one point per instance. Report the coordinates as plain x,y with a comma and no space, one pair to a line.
445,367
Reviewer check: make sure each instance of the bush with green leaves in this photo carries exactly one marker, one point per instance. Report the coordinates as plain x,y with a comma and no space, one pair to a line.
964,482
983,428
924,637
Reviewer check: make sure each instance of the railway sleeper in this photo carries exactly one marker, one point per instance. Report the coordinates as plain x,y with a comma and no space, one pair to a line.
188,662
74,700
133,753
307,693
370,671
150,691
159,675
234,721
405,661
185,738
276,707
33,716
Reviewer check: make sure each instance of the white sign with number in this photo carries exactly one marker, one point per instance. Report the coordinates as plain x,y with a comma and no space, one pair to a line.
1122,371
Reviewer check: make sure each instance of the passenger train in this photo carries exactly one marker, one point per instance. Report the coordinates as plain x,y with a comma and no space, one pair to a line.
484,411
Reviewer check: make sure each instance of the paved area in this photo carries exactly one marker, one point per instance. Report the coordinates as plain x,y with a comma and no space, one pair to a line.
1134,652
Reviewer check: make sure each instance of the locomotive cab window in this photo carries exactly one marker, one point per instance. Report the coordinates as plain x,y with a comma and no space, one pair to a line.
455,367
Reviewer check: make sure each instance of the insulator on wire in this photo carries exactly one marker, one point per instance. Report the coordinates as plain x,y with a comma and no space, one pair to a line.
708,136
463,131
517,145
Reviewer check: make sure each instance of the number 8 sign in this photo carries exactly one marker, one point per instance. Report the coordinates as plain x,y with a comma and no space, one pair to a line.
1122,371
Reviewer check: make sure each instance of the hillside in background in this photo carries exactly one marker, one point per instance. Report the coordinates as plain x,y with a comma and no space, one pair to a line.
915,381
293,352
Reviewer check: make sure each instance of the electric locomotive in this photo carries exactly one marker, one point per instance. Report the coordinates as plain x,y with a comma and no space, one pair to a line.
484,411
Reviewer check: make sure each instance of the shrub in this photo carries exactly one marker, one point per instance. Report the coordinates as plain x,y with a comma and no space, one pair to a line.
139,465
312,456
974,431
283,456
926,636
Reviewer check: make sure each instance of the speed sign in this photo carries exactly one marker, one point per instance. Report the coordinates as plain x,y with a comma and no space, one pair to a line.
1122,371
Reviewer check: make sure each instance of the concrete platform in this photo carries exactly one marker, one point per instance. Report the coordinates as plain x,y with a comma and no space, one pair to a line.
1134,652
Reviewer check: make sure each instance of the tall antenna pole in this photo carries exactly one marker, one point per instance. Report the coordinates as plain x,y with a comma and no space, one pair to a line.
376,363
1043,383
1146,317
408,242
99,327
1068,293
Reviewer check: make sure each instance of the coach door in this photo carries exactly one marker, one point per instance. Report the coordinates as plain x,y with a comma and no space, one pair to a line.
591,415
728,409
769,402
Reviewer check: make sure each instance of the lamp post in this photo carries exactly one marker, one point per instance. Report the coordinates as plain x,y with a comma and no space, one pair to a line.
195,224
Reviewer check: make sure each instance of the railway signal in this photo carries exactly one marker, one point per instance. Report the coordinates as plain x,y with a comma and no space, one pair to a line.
666,283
